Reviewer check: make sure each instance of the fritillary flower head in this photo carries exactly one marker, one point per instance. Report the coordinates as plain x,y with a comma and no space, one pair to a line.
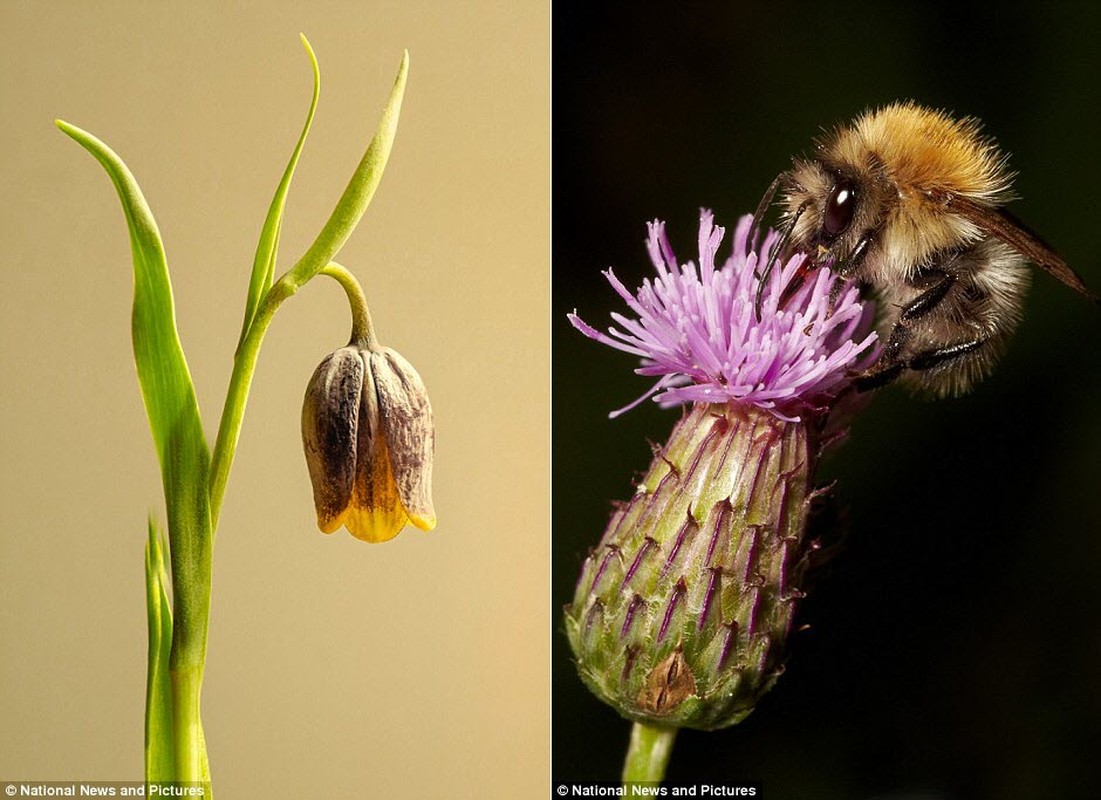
696,327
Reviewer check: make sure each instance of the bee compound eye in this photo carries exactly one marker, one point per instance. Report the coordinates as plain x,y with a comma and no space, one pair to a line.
840,207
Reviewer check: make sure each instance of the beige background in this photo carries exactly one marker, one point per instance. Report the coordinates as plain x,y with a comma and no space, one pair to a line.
418,668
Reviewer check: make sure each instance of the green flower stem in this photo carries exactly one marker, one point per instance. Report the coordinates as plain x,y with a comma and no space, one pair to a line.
191,554
233,413
648,753
187,684
363,330
244,365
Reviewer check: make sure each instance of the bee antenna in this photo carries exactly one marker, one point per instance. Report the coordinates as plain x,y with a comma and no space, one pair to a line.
774,255
762,209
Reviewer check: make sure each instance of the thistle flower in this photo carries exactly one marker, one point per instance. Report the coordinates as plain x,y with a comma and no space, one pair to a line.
697,328
369,440
681,613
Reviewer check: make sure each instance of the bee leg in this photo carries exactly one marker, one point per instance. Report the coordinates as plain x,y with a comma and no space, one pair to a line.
762,208
932,358
835,295
891,364
888,366
938,283
845,269
860,250
879,375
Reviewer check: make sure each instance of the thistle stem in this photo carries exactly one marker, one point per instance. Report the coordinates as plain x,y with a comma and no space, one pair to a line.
648,753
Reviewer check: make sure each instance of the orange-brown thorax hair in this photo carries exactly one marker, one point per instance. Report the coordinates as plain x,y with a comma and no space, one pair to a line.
923,149
897,154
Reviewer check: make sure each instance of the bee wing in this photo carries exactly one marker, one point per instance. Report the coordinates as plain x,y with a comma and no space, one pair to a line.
1005,226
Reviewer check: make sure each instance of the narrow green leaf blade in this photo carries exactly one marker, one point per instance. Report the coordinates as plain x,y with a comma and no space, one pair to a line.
162,369
361,188
263,266
158,687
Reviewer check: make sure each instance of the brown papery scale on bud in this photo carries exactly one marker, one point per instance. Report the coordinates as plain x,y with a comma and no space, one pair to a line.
682,612
668,685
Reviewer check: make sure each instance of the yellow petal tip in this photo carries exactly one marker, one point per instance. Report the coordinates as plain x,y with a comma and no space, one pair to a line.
375,524
331,524
425,522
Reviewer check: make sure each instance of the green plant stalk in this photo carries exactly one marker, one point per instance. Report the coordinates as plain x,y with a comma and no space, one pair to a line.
191,552
648,753
187,727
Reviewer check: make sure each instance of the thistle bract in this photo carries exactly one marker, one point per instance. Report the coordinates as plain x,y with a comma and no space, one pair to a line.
682,612
369,440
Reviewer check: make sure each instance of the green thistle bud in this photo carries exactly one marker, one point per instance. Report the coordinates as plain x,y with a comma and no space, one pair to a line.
681,613
369,440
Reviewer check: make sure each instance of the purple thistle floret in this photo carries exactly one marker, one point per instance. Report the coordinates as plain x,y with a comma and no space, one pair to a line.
697,328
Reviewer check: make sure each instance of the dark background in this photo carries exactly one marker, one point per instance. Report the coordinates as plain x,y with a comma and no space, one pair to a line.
955,647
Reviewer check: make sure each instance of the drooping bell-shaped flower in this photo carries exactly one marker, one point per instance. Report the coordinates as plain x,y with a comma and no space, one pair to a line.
369,439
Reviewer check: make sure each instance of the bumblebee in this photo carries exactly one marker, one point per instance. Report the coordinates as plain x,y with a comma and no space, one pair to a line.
909,202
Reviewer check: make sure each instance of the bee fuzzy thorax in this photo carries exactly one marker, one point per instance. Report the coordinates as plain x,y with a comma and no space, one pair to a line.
904,158
922,149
